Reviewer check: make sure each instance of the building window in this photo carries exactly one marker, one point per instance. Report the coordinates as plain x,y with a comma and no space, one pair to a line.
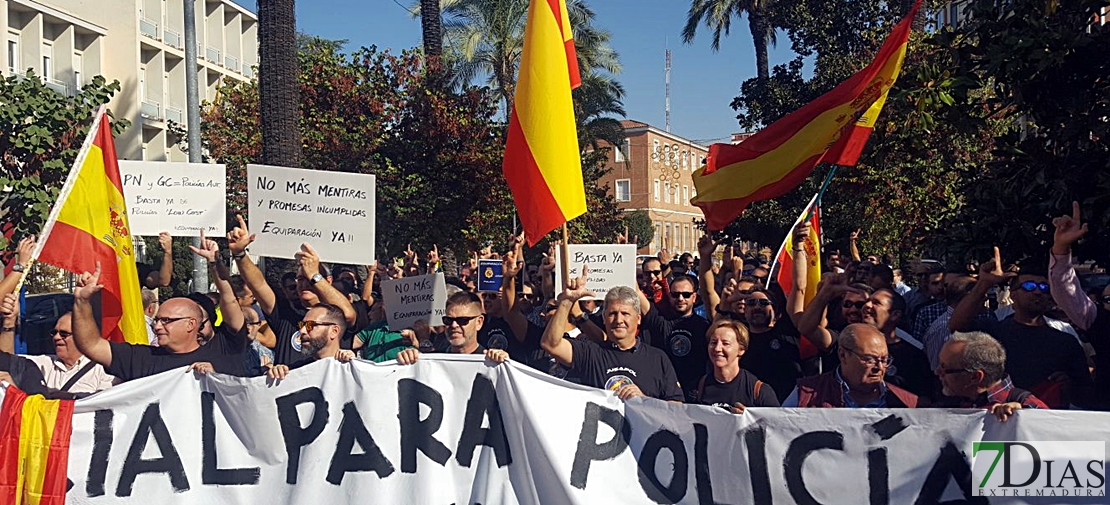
656,189
626,147
13,52
667,154
685,195
685,159
624,190
655,149
77,65
667,192
620,153
47,61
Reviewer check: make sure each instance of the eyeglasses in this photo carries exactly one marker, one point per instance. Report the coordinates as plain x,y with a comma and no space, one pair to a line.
850,304
308,326
461,320
757,302
682,294
64,334
526,296
1105,299
654,273
165,321
1030,286
950,371
870,360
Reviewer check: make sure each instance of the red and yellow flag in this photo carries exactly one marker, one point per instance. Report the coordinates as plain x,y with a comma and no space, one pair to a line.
785,258
34,448
542,164
832,128
88,225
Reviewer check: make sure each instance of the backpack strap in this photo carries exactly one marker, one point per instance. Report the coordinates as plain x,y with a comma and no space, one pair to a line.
77,376
755,390
701,388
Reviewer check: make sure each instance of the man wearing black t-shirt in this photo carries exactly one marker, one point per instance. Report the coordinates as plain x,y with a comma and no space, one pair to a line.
313,288
318,335
622,364
176,325
682,338
772,353
463,320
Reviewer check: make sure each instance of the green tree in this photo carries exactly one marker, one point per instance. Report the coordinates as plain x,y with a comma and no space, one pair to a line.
639,227
717,16
41,132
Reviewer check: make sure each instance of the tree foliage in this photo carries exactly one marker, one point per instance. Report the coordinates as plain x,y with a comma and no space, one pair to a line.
41,132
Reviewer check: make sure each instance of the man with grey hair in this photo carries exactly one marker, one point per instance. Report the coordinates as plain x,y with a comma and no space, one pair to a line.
859,381
972,371
622,364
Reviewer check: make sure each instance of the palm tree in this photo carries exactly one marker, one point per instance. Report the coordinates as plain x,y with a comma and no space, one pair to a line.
278,90
431,26
596,101
717,16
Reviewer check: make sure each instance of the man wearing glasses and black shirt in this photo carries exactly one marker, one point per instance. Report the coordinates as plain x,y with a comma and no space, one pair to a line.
176,326
683,338
318,334
463,320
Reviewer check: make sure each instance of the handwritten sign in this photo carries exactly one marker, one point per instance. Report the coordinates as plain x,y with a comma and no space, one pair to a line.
411,299
179,198
332,211
489,275
609,266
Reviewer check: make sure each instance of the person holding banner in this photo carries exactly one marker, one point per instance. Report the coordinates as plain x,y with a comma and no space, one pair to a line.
319,333
463,320
972,371
728,386
177,325
623,364
16,370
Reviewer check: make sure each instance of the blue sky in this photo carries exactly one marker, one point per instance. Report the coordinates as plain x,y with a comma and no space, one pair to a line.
703,82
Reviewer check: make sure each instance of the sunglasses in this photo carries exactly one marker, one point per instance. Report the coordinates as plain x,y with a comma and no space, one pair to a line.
857,305
682,294
308,326
461,320
757,302
165,321
654,273
1030,286
64,334
526,296
1105,299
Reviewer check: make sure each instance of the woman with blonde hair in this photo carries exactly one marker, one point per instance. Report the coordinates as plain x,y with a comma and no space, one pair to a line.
727,385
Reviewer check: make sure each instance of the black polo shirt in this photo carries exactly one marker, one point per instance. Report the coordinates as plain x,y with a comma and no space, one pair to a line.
134,361
496,334
1033,353
607,367
773,358
685,343
287,351
741,389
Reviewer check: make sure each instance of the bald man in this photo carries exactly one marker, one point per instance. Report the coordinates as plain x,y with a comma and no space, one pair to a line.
176,325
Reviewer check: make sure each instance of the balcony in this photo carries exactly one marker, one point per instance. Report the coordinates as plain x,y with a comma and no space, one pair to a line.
212,54
59,86
173,38
151,110
174,114
231,62
149,28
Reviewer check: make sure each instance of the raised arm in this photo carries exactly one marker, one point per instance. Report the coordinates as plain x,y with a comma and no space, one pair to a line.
518,324
86,335
9,317
553,341
1066,290
237,241
162,277
310,266
19,269
990,274
796,294
707,288
811,322
229,306
368,286
852,247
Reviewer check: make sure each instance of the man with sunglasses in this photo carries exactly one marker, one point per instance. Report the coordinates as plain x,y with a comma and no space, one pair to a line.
463,320
683,338
176,325
1046,361
319,334
67,369
859,381
773,353
652,281
1091,316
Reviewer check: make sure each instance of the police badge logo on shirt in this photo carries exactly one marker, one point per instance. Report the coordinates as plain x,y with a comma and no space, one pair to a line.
775,344
295,341
680,345
618,381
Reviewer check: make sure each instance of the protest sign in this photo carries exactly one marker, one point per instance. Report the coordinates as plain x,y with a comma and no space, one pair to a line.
332,211
489,275
609,266
411,299
179,198
454,429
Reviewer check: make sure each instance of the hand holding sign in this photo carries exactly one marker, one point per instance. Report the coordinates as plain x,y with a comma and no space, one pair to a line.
239,237
309,261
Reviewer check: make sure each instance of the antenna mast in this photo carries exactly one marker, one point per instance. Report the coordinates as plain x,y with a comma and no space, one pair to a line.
667,103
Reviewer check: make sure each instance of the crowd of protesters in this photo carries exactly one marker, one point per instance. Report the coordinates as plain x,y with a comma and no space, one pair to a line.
694,330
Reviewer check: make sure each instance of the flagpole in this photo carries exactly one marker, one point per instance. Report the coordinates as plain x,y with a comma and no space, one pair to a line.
564,264
813,204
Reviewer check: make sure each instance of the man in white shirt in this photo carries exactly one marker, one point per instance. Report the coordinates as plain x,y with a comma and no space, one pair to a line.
69,370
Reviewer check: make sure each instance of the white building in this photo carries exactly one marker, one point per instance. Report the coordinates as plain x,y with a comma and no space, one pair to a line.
141,44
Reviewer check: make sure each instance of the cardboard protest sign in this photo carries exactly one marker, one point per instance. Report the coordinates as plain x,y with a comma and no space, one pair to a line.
610,265
489,275
411,299
179,198
333,211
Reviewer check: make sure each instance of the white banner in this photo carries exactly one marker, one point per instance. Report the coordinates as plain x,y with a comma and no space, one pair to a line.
411,299
608,266
179,198
332,211
454,429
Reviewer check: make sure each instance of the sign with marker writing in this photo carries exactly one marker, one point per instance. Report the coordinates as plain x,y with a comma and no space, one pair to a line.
411,299
179,198
332,211
456,429
609,266
489,275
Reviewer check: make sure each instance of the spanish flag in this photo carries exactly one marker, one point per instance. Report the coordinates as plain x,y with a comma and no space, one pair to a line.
784,260
833,128
542,164
88,224
34,448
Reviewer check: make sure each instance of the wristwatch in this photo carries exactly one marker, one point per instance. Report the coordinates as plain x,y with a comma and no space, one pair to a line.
17,267
317,278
